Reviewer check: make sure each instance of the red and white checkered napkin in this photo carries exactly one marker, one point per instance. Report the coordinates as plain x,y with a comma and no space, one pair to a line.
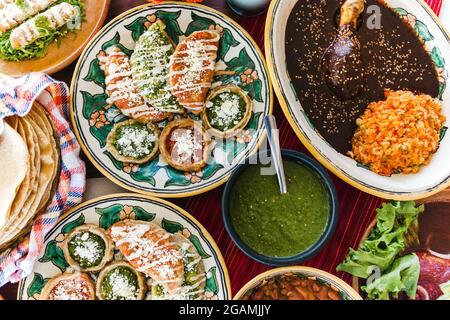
16,98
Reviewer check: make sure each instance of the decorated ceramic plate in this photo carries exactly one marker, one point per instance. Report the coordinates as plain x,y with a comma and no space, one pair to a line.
323,123
344,291
93,119
63,52
107,210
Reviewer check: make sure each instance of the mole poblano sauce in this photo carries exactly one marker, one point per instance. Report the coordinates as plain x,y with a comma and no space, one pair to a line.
393,56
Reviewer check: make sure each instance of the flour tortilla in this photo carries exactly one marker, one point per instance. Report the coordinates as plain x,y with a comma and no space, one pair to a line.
14,158
25,188
14,217
33,146
41,117
39,135
49,157
43,183
12,121
33,169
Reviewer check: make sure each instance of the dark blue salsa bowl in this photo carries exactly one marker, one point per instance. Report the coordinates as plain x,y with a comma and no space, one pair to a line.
329,229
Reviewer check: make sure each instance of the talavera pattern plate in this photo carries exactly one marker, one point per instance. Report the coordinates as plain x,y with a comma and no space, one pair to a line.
93,118
106,211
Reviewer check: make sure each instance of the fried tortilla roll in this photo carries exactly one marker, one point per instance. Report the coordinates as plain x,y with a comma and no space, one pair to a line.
192,69
121,90
151,250
150,67
50,20
4,3
13,13
193,287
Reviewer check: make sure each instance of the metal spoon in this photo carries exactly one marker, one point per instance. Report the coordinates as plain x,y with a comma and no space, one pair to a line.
274,141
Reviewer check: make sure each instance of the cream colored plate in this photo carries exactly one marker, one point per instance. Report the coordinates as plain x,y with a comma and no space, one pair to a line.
432,178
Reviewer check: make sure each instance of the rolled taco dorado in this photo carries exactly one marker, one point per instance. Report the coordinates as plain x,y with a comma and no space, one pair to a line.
13,13
4,3
42,24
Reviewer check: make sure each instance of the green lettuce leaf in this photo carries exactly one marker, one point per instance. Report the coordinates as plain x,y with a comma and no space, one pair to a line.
445,287
395,230
402,276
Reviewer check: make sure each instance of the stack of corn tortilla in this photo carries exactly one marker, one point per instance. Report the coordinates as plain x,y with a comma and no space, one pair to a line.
30,163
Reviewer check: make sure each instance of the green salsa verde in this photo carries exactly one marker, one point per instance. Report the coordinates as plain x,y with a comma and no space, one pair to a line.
134,140
87,249
225,110
279,225
120,283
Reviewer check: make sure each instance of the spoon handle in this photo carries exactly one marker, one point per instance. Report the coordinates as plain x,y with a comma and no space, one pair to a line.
274,141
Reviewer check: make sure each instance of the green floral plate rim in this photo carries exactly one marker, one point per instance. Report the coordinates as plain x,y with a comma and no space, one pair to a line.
107,210
93,119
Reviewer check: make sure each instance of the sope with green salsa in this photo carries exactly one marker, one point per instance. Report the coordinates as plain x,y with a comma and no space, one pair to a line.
120,283
134,140
225,110
87,249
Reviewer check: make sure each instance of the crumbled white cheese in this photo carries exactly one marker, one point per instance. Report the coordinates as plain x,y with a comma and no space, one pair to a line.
86,248
73,289
188,146
227,114
121,288
135,142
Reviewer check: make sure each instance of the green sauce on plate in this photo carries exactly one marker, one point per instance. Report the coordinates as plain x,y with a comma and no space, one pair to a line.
120,283
87,249
278,225
134,140
225,110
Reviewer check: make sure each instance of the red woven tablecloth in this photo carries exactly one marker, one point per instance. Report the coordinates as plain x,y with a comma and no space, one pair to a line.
356,208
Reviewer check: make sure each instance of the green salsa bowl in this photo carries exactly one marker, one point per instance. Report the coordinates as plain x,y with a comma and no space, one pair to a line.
275,229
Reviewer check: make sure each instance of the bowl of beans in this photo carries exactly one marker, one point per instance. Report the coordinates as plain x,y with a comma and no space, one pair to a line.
297,283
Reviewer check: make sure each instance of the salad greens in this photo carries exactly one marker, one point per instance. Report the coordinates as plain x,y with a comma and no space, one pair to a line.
38,48
445,287
402,276
396,229
21,4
